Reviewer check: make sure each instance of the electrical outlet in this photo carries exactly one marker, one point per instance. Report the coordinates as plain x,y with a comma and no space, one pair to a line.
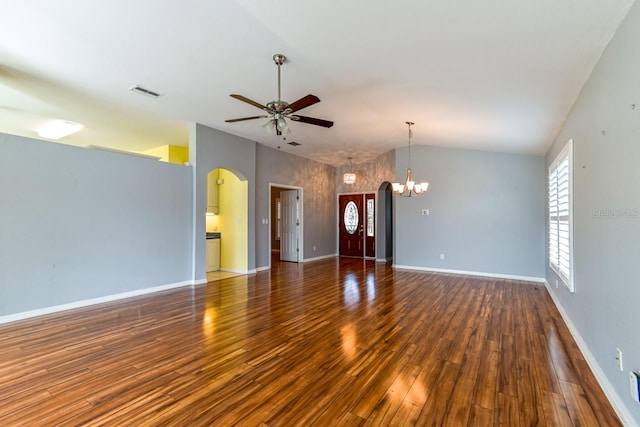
441,256
619,359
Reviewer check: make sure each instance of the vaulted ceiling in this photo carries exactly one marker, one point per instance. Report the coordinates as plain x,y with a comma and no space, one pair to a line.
498,75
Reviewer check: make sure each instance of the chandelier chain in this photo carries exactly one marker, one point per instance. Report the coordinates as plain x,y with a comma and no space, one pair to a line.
410,135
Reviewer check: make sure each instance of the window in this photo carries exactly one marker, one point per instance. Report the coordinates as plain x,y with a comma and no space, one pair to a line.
370,217
560,215
351,217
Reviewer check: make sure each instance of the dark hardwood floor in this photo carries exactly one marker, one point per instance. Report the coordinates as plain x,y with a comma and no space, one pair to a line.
334,342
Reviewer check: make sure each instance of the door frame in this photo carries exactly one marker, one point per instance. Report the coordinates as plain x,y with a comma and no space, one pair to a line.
375,213
300,228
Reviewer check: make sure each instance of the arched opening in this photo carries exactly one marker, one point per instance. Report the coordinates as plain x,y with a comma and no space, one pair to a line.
227,221
384,244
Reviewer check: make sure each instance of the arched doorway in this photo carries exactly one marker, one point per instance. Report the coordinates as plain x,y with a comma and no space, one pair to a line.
384,244
227,214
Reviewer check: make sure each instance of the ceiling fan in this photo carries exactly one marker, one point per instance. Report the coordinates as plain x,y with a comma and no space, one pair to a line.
278,111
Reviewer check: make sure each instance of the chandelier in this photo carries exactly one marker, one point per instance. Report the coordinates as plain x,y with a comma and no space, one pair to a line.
409,187
349,177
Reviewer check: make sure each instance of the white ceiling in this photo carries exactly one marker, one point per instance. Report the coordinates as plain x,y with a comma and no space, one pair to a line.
498,75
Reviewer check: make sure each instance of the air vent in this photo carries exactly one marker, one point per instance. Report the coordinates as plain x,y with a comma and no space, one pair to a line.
143,91
293,143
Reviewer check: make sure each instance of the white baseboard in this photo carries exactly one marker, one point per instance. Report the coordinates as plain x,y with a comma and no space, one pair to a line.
200,282
614,398
384,259
318,258
93,301
266,267
472,273
238,271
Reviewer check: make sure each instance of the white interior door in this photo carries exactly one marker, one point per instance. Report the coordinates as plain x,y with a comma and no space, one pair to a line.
290,224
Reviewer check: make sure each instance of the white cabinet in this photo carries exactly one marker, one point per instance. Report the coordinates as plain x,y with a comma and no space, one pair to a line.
213,255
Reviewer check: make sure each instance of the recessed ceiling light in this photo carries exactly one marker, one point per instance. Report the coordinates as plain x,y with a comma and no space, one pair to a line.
57,129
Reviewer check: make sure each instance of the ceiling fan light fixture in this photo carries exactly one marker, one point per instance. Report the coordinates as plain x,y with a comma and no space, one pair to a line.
269,126
282,125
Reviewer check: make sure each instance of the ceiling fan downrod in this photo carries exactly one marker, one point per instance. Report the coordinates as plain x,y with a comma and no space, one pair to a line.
279,59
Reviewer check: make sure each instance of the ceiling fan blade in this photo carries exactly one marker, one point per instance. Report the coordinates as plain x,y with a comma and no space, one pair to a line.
312,121
303,102
245,118
250,101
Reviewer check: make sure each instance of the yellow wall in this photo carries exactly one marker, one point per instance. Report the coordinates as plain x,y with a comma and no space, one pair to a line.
179,155
169,153
232,222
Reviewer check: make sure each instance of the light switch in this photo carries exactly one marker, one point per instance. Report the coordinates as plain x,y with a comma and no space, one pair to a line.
425,211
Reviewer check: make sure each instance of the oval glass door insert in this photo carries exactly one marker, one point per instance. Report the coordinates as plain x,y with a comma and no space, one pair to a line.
351,217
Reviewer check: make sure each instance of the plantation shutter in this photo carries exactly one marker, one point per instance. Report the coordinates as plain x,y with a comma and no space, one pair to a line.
560,230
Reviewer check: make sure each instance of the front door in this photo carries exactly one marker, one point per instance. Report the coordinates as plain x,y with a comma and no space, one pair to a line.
289,226
357,227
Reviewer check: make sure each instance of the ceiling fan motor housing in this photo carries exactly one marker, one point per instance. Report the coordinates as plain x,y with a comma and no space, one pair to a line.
278,106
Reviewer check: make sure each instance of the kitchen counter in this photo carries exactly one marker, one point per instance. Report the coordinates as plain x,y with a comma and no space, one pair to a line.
214,235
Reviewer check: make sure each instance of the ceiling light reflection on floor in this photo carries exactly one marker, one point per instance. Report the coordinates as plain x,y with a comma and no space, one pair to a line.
349,340
350,290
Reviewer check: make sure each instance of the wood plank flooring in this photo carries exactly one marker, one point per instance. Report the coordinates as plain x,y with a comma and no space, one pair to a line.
327,343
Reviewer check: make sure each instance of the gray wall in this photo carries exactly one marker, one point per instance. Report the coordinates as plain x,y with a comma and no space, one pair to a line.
604,307
210,149
77,224
319,211
486,212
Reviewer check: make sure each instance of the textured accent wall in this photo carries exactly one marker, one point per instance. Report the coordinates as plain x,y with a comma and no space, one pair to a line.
319,203
369,176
